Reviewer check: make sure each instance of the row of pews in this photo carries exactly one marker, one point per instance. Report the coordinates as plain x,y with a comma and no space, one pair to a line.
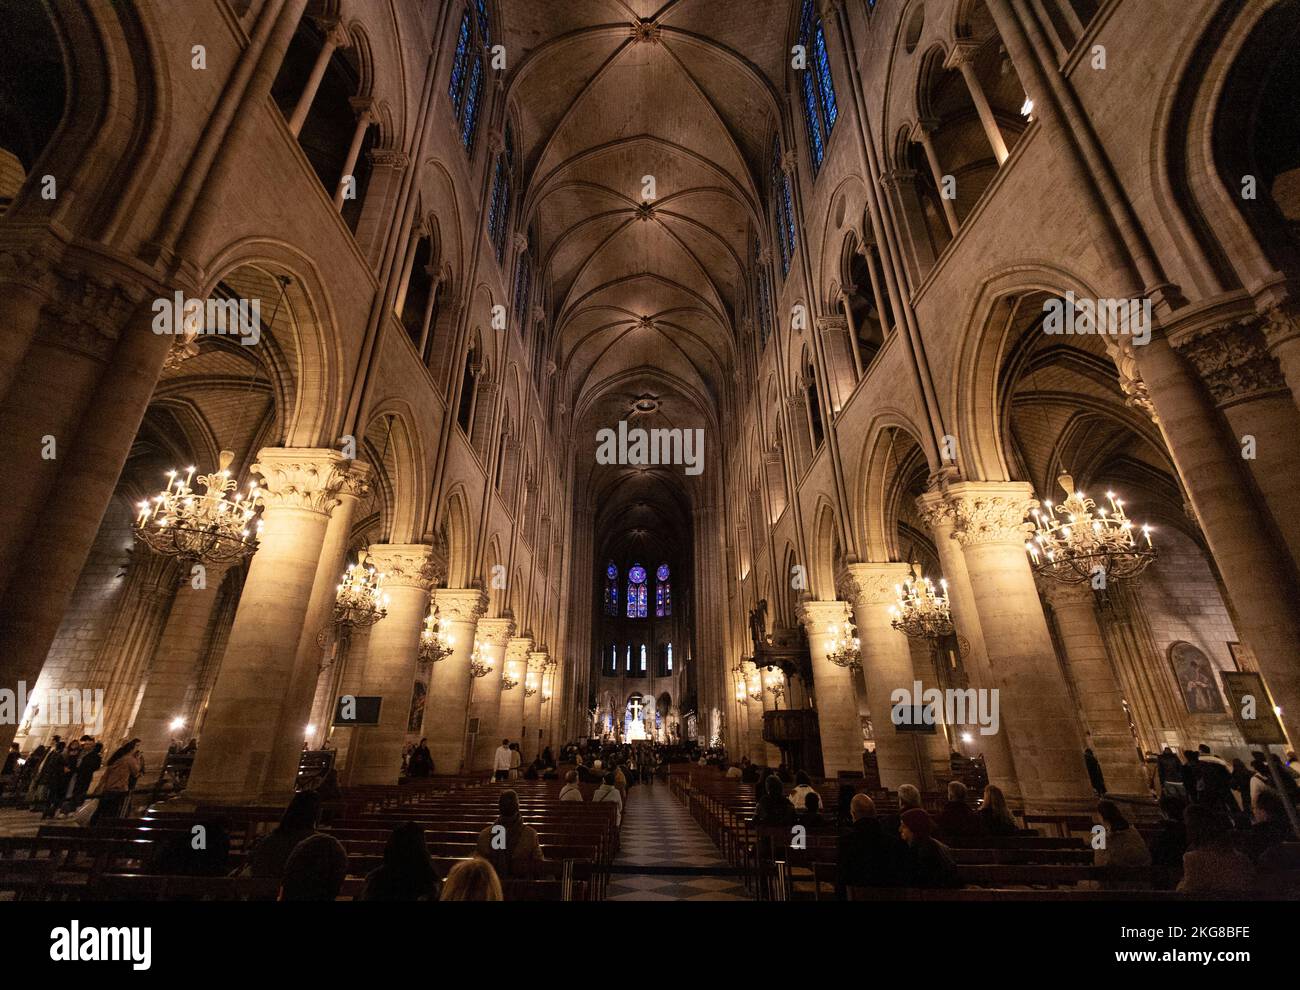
1051,859
126,859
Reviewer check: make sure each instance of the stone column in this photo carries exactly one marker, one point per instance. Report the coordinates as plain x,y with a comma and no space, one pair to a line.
383,190
533,705
995,746
1035,707
485,693
1281,329
448,702
375,756
300,490
962,58
1101,702
336,36
837,709
921,135
886,667
309,682
175,666
364,108
511,722
1247,385
53,537
484,421
1257,571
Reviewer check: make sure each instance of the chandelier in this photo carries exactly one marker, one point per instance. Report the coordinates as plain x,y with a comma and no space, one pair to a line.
477,666
755,694
1075,540
212,527
360,601
508,683
778,692
843,648
529,690
436,640
921,612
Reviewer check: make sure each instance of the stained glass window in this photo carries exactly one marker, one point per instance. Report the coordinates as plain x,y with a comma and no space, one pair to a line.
670,658
636,592
643,656
820,108
466,87
628,657
663,592
783,208
499,211
523,278
611,590
764,296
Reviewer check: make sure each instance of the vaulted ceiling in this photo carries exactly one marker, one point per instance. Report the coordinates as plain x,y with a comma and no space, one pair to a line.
606,95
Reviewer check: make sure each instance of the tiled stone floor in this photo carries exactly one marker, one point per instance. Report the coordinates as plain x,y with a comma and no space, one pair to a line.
679,861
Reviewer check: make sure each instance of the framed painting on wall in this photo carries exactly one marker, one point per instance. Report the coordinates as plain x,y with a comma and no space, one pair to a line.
1197,679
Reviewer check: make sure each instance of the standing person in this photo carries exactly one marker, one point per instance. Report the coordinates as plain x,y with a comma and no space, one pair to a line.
1094,773
1240,783
87,767
50,780
516,758
502,760
420,762
115,789
1170,771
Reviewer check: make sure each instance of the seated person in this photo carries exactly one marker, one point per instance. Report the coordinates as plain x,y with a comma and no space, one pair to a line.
508,844
571,791
930,863
957,818
773,808
269,856
810,815
994,815
316,870
867,855
608,791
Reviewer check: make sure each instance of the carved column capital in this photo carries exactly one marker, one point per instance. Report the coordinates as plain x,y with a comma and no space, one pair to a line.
460,604
991,511
817,617
1233,360
1060,595
390,158
829,324
1281,323
872,583
517,649
962,53
405,565
495,631
303,478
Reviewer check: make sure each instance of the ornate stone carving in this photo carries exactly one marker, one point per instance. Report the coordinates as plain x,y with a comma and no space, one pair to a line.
991,512
789,163
645,32
302,478
871,583
830,324
521,241
936,512
1281,323
517,650
460,604
495,631
817,617
389,158
645,211
89,314
1233,361
537,660
1060,595
404,565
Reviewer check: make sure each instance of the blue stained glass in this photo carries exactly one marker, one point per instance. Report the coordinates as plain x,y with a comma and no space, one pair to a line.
484,30
662,573
830,108
471,105
503,217
778,206
791,235
457,91
810,118
637,574
523,276
611,572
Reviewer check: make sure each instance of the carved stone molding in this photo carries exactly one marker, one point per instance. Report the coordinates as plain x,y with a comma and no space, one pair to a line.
460,604
1060,595
789,163
389,158
89,313
872,583
991,511
517,649
817,617
1281,323
537,660
645,32
936,512
1233,360
302,478
828,324
521,241
404,565
495,631
963,51
1137,395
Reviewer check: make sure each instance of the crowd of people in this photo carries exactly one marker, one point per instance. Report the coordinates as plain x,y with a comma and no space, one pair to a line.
72,778
1220,828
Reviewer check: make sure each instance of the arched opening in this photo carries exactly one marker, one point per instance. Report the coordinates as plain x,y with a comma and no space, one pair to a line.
32,94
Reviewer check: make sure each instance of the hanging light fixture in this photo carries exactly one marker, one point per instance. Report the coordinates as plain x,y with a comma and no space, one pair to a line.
436,639
1075,540
843,648
478,667
508,683
921,612
215,526
360,600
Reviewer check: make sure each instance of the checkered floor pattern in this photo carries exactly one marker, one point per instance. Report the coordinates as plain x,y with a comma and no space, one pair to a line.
679,861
